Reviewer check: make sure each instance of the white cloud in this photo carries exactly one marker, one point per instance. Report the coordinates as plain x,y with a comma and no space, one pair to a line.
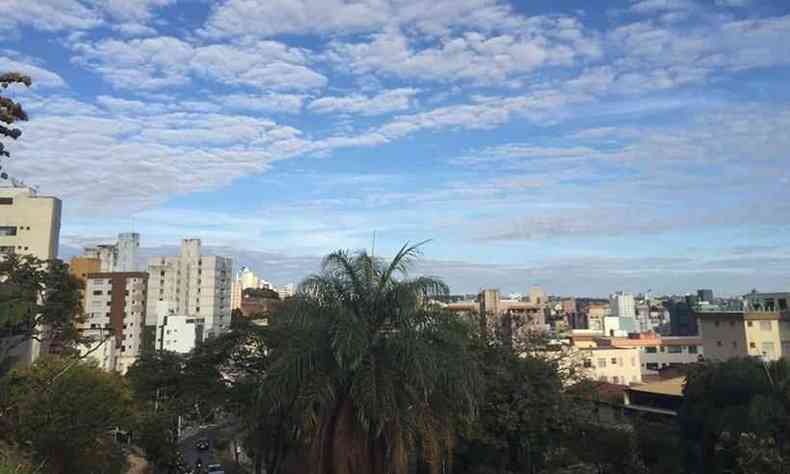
385,102
50,15
41,77
160,62
270,102
132,10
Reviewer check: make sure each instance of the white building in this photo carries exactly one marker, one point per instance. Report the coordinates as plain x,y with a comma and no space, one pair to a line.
614,365
29,223
245,279
118,257
115,311
180,333
286,291
192,285
622,305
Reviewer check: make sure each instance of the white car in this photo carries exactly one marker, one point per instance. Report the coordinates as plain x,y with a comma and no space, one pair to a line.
215,469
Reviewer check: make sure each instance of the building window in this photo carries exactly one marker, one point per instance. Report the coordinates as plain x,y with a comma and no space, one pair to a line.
6,249
716,323
615,380
587,362
633,361
652,366
735,344
718,343
765,325
651,349
732,323
749,324
601,363
692,349
197,309
6,231
614,361
6,201
675,349
752,345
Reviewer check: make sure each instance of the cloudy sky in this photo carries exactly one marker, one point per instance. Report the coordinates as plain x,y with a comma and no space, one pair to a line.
625,145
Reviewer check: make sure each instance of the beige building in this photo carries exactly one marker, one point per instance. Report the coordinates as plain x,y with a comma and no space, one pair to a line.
729,334
596,313
611,364
658,352
193,285
115,318
523,316
29,223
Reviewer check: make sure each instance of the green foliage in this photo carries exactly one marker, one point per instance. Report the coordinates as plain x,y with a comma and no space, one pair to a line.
264,293
10,112
371,369
38,300
736,410
65,414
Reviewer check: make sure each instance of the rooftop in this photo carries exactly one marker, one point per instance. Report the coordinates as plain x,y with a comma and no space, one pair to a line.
672,387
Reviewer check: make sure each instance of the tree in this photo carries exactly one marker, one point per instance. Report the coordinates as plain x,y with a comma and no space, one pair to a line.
10,112
264,293
67,421
375,371
735,411
39,300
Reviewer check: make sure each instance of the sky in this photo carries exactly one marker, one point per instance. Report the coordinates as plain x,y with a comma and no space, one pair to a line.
584,147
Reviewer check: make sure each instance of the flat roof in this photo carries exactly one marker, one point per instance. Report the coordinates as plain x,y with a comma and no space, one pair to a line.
673,387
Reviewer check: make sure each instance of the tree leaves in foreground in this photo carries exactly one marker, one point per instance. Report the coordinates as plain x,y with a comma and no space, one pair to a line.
66,421
374,371
10,112
39,300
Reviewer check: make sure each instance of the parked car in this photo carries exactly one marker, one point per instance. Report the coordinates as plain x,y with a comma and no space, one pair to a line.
215,469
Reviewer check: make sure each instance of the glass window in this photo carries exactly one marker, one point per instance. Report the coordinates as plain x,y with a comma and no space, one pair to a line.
752,345
6,201
651,349
614,361
675,349
6,249
601,362
652,366
692,349
6,231
749,324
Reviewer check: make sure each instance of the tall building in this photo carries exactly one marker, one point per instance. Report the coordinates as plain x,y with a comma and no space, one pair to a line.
118,257
494,312
245,279
705,295
29,223
622,305
115,315
682,318
190,284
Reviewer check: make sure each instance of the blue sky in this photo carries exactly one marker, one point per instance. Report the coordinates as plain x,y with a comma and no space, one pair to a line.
629,145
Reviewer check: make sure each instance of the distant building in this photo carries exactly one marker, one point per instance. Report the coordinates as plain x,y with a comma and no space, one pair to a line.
115,311
705,295
118,257
596,312
536,295
286,291
495,311
622,305
758,333
755,301
657,352
682,318
29,223
613,365
180,334
192,285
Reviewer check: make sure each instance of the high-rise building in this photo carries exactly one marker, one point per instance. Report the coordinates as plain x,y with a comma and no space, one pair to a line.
622,305
705,295
682,318
118,257
245,279
193,285
29,223
115,315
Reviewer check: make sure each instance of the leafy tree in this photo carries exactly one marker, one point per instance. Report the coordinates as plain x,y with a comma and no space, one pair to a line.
734,411
39,300
67,417
10,112
375,371
264,293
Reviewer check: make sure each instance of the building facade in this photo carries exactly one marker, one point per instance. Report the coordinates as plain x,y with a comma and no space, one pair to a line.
619,366
192,285
657,352
29,223
115,311
729,334
622,305
118,257
180,334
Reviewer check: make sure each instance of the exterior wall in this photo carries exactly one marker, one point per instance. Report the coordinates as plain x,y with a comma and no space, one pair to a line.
191,285
116,302
180,334
618,366
595,316
622,305
35,221
126,259
105,354
80,267
723,335
763,338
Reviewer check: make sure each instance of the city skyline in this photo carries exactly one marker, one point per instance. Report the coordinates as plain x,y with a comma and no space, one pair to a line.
641,145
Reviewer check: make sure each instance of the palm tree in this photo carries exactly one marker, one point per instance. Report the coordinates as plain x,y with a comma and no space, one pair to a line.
380,375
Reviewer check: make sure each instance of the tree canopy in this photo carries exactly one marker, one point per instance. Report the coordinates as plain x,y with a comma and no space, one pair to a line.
10,112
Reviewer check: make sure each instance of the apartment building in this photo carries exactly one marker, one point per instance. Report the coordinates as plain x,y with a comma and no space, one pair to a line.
118,257
115,315
729,334
523,316
193,285
658,352
180,333
29,223
620,366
